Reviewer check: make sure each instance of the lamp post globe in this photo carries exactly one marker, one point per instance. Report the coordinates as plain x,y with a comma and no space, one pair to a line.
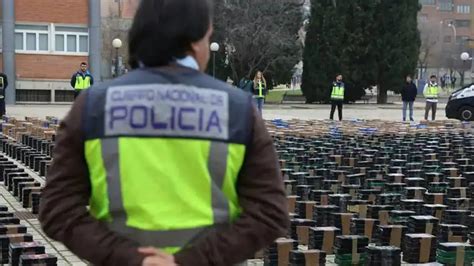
215,47
465,56
117,43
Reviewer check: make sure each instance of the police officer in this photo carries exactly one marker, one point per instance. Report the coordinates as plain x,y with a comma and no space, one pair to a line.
3,87
431,92
81,80
337,97
177,167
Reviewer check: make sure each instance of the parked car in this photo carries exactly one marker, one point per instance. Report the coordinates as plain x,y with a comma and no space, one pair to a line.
461,104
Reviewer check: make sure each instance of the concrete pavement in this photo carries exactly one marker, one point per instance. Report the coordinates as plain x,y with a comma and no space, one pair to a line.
390,112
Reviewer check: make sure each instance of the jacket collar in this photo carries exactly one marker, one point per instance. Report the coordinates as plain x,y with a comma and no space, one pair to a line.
188,62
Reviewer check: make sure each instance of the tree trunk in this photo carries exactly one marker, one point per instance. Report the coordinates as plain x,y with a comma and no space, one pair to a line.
381,95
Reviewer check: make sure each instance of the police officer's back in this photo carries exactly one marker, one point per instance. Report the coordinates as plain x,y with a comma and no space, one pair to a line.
166,156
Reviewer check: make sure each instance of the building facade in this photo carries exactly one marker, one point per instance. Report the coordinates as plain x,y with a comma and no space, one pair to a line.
447,30
43,43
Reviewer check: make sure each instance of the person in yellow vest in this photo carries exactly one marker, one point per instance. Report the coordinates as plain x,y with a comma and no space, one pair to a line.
431,93
81,80
165,165
337,97
259,90
3,87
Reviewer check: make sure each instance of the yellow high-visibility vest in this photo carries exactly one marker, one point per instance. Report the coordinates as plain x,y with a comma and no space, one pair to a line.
432,92
337,92
82,83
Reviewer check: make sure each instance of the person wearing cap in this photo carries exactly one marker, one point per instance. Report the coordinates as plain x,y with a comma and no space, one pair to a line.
118,192
431,92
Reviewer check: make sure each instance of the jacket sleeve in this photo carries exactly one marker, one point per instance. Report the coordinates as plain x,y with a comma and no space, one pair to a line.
63,212
5,81
425,90
73,81
264,204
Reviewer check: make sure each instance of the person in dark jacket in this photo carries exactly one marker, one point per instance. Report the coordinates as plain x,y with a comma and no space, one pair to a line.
246,84
409,93
3,87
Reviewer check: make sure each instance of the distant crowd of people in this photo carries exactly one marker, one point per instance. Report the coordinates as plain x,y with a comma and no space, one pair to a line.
448,81
258,87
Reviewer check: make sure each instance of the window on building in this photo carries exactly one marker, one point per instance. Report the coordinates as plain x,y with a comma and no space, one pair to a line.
464,9
427,2
31,38
71,39
447,39
445,5
462,23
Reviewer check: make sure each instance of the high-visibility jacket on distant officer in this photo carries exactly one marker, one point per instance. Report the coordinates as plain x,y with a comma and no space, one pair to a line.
143,184
337,91
82,81
431,91
260,91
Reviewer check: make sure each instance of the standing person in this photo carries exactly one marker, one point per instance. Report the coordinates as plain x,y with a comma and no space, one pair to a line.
259,90
453,82
81,80
447,80
431,92
409,92
165,165
3,87
337,97
443,81
246,84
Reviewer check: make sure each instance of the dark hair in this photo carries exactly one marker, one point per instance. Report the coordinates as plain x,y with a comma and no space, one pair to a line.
165,29
409,76
432,76
339,74
83,64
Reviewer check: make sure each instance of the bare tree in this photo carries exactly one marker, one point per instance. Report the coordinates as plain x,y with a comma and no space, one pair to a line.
259,35
430,44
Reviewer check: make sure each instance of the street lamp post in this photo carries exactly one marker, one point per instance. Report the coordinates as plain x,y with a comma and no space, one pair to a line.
117,43
214,49
451,25
464,57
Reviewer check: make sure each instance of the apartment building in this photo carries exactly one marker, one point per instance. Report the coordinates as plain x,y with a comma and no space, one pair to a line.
43,43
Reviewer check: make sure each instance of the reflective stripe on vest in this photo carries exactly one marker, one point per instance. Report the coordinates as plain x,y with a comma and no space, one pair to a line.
260,90
432,92
82,82
337,93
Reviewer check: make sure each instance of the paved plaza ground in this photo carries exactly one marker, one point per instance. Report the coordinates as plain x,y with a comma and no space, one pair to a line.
390,112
